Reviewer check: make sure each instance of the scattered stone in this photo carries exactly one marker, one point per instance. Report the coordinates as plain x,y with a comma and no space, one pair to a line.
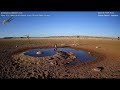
98,47
98,69
62,55
16,46
51,63
39,52
88,52
73,44
50,58
67,62
37,63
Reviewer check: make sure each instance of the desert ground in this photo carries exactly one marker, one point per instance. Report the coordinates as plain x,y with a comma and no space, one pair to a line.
15,66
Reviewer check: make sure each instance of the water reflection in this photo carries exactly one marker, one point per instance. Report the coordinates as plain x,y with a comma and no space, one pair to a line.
80,54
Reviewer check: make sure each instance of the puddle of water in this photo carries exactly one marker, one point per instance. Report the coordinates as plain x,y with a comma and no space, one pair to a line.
46,52
80,54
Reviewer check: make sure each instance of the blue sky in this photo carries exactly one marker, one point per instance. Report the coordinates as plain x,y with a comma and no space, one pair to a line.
61,24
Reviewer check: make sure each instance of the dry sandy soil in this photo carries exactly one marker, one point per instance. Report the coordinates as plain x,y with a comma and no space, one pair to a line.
14,66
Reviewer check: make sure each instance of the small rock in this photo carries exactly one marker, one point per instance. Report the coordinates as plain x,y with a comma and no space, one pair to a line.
98,69
16,46
51,63
50,58
88,52
39,52
98,47
37,63
67,62
73,44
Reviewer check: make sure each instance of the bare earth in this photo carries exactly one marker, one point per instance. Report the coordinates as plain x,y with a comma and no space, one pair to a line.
13,64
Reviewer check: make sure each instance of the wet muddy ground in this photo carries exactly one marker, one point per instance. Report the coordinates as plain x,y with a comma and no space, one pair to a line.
14,65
